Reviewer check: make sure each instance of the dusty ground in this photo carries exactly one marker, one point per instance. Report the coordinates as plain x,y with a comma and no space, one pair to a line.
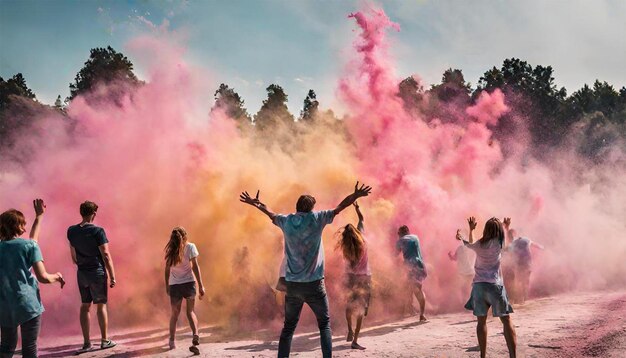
574,325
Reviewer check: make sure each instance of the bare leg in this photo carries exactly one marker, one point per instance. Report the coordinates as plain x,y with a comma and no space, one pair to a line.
103,320
481,333
509,335
174,318
421,298
349,320
355,344
84,322
191,315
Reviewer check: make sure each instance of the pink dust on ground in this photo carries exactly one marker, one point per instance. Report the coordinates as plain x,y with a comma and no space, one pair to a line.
155,159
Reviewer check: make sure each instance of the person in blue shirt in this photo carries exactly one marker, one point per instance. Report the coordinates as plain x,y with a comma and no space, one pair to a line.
20,300
304,251
90,252
409,245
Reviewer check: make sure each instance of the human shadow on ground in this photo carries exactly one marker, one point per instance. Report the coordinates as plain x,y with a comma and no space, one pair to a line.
157,338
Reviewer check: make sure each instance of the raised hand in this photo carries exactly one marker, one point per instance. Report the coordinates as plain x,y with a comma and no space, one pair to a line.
458,235
507,222
246,198
361,191
471,221
40,207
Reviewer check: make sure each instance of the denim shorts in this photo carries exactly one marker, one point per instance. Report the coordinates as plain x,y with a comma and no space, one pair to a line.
182,290
485,295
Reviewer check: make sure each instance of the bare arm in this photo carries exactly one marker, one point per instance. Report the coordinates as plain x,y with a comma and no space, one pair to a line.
167,278
108,262
247,199
196,272
359,192
460,238
44,277
471,221
40,208
359,214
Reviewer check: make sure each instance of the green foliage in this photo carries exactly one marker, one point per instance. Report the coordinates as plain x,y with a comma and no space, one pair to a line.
274,110
452,87
14,86
310,107
104,66
230,102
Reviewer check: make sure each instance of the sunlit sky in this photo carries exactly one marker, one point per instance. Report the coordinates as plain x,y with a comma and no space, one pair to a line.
304,44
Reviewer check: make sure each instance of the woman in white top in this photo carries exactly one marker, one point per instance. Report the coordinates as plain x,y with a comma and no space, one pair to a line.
181,265
358,275
488,288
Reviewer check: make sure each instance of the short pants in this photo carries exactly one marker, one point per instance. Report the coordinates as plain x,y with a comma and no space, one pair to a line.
359,289
417,274
182,290
93,287
485,295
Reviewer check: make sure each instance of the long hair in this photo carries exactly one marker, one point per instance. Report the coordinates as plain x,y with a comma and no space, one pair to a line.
493,230
175,248
12,223
351,244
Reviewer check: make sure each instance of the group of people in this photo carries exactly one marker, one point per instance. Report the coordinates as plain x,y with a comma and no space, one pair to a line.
302,273
20,299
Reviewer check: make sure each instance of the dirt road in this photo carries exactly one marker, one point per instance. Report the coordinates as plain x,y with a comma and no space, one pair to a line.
573,325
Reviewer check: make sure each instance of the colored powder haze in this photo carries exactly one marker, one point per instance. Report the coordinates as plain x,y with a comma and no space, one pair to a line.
157,159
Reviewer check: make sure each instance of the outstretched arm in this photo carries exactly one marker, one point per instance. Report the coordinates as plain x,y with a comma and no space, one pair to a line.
359,214
40,208
359,192
244,197
471,221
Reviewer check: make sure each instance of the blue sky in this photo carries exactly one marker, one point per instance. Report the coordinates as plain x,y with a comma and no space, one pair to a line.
304,44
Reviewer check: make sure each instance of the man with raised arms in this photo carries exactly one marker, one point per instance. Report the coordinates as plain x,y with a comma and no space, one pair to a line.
304,272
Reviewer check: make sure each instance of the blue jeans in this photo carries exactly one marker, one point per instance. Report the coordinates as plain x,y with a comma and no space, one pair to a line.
313,294
30,332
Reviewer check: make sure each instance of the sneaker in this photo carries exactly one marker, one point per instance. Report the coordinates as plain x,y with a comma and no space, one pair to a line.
86,348
196,340
107,344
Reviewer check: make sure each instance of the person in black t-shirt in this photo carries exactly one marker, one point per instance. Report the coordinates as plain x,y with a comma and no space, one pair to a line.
90,252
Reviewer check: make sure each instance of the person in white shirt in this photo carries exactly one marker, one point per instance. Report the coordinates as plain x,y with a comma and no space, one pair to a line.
358,278
181,265
488,289
464,258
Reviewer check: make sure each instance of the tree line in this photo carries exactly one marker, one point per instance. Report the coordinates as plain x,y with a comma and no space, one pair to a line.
594,117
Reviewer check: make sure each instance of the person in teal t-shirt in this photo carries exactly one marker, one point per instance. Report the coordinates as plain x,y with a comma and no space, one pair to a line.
304,252
20,301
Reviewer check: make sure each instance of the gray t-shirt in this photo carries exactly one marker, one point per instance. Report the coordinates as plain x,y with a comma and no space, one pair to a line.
487,264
